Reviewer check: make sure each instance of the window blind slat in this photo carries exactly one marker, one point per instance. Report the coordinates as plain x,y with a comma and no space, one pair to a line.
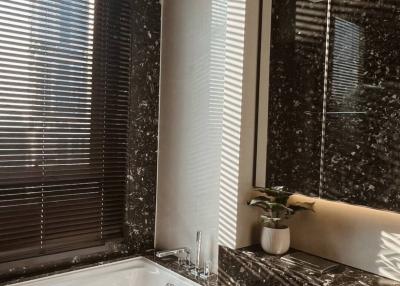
63,13
64,87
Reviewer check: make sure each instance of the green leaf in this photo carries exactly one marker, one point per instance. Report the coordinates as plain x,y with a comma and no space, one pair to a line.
272,222
273,191
277,194
264,198
273,219
274,202
269,206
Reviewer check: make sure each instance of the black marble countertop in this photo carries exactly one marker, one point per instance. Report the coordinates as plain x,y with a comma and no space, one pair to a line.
251,266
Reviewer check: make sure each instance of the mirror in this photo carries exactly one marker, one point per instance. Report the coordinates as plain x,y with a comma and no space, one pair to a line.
333,94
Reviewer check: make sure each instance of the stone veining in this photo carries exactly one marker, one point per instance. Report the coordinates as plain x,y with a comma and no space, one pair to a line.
251,266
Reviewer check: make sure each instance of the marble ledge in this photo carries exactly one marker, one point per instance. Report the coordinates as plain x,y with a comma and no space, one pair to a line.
251,266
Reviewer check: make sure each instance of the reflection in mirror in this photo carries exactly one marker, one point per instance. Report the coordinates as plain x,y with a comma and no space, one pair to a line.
334,100
296,86
362,135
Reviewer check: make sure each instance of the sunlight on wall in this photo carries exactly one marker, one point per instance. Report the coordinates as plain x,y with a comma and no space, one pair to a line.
389,256
228,206
191,108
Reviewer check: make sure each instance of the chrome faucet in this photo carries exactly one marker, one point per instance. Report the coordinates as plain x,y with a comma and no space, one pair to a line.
198,250
176,252
197,271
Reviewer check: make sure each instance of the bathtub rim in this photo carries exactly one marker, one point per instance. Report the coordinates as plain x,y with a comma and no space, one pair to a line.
100,265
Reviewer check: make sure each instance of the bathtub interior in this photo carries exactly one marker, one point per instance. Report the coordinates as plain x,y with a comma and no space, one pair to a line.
138,271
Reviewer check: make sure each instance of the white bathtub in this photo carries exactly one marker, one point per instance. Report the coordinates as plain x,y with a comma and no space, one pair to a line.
131,272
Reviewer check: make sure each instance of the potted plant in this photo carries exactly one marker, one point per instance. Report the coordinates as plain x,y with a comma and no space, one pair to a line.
274,201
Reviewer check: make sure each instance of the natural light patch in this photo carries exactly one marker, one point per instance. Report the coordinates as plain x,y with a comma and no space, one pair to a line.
46,59
231,130
389,256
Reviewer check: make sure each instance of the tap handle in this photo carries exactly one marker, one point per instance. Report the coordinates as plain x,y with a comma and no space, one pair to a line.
206,273
198,237
198,250
207,268
187,265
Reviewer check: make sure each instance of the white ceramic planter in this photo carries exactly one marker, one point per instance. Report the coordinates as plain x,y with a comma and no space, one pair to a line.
275,241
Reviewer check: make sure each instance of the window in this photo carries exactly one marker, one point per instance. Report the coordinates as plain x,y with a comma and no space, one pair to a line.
64,86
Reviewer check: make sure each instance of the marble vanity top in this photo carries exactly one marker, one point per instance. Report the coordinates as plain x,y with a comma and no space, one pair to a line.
251,266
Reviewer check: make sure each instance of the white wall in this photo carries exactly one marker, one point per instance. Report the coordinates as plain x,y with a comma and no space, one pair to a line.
190,124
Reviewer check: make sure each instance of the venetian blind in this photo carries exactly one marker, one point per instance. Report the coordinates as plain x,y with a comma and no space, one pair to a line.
64,85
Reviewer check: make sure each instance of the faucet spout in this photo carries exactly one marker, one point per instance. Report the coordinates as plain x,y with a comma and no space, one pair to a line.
174,252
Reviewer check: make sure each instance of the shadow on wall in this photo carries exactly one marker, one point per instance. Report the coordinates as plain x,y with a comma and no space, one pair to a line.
389,256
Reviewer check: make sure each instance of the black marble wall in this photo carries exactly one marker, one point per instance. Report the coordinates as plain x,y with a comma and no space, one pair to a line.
295,102
361,156
143,133
341,142
142,152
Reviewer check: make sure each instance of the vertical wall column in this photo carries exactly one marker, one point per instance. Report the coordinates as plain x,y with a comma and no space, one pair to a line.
143,125
237,221
190,124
